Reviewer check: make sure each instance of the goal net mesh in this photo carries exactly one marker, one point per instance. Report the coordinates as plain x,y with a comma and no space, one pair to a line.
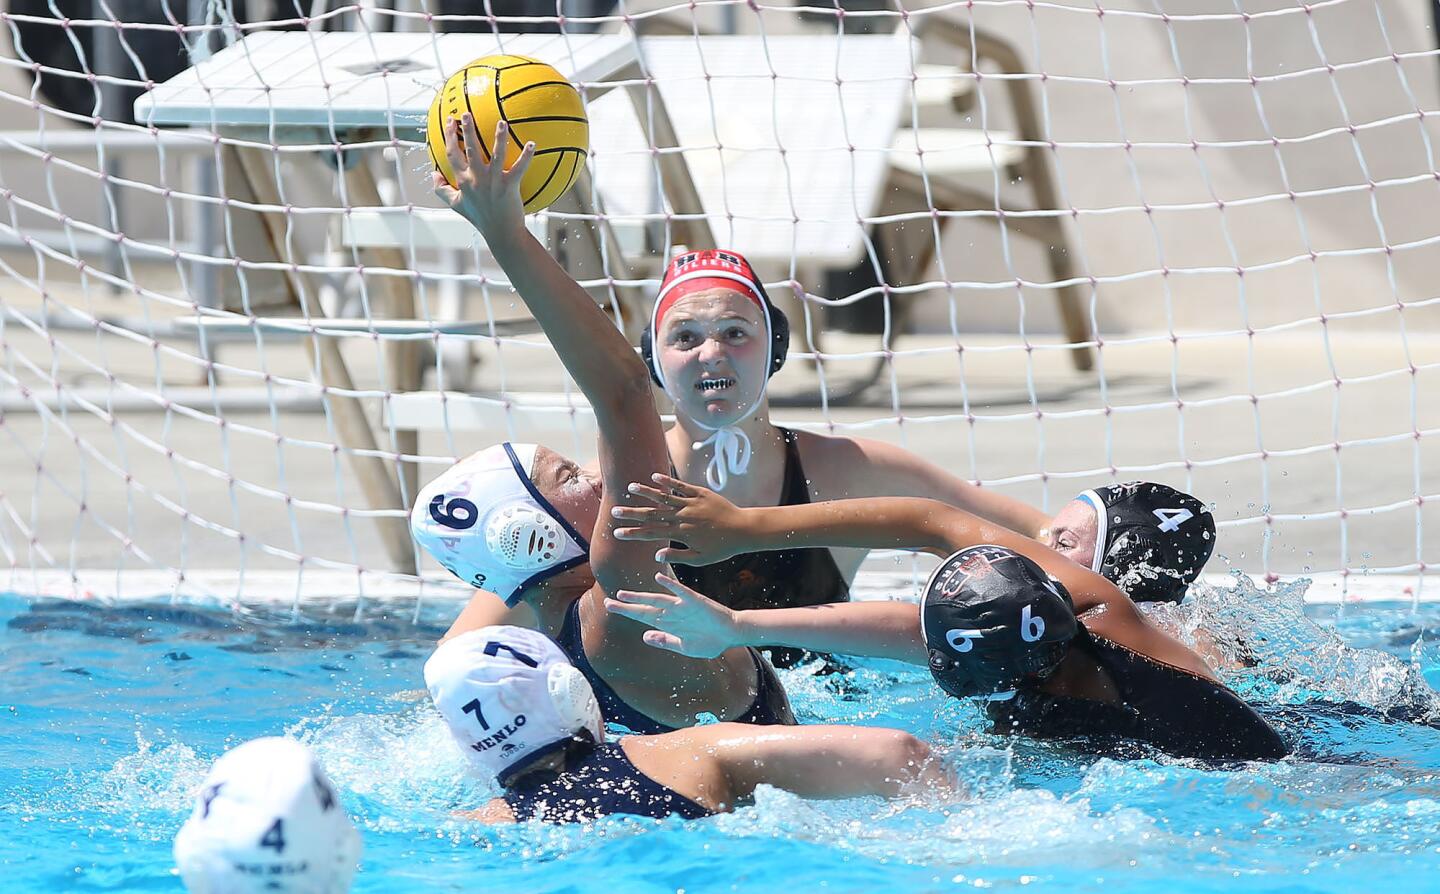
1045,245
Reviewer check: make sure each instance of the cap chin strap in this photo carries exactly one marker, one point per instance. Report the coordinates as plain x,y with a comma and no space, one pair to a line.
732,455
732,450
731,445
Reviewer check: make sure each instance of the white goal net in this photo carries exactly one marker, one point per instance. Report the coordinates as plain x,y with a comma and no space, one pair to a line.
1045,244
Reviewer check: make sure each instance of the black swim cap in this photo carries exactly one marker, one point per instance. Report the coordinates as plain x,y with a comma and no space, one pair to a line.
1152,540
993,620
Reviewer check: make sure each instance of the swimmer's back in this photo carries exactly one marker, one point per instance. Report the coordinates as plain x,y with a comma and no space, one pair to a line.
603,780
1174,710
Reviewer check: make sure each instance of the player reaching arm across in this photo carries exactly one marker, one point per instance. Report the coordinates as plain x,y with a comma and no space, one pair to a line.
1056,648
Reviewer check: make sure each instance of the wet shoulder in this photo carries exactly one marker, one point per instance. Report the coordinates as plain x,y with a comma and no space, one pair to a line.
685,762
833,465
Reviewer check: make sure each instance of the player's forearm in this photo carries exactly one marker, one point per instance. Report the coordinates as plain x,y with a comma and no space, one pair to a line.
868,629
900,473
870,523
1017,515
834,762
594,352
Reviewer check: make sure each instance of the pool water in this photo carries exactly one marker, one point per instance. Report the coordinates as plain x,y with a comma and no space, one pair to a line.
111,717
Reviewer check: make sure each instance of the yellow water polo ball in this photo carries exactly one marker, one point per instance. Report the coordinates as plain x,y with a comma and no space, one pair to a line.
540,106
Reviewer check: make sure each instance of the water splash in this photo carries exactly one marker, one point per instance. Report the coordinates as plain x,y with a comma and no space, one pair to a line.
156,776
1264,645
1017,826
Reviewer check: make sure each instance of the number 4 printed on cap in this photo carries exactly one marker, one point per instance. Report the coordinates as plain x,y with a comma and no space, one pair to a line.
1172,519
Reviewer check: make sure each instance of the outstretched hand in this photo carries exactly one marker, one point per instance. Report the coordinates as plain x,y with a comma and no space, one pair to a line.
685,621
712,528
485,193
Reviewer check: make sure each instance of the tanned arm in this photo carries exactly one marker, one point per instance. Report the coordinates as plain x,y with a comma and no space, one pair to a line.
690,623
890,470
712,529
597,356
825,761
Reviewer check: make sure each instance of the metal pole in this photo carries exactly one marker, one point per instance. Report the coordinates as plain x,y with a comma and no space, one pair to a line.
206,215
109,59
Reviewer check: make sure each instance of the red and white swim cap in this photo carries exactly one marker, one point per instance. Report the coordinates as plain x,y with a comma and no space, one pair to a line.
696,271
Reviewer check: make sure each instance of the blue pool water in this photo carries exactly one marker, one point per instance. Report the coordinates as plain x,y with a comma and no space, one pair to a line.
112,716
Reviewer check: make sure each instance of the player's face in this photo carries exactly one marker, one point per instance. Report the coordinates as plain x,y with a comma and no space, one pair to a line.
1072,532
714,350
573,491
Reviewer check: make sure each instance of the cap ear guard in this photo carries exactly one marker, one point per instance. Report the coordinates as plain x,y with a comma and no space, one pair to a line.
1138,564
574,700
523,537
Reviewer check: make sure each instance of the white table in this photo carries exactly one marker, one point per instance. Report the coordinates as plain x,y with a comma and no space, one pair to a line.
354,80
787,161
316,88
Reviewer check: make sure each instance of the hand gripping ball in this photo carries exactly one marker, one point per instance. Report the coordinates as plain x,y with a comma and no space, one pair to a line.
540,106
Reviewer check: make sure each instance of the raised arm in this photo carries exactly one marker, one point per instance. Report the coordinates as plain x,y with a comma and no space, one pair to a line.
595,353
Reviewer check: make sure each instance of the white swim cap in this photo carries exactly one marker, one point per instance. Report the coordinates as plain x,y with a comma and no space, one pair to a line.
486,523
509,694
267,820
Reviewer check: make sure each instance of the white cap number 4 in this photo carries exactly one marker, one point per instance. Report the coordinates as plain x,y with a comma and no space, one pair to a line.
1172,519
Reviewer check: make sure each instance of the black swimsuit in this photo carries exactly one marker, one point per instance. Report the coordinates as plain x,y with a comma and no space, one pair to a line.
597,782
783,578
771,705
1174,710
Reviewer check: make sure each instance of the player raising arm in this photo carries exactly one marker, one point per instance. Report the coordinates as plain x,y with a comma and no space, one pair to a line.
533,528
